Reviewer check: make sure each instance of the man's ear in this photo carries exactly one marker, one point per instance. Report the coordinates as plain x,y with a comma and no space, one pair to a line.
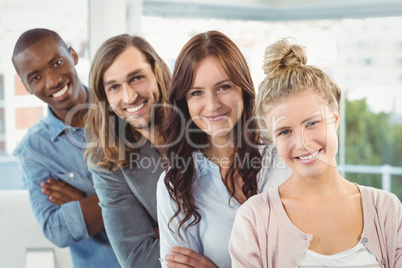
74,55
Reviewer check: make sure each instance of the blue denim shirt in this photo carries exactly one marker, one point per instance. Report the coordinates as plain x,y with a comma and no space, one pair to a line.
52,149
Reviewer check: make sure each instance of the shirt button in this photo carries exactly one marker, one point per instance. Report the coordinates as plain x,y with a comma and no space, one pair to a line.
365,240
71,175
294,264
383,262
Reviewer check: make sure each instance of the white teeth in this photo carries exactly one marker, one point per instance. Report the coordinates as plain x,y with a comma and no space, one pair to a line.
60,92
136,108
308,157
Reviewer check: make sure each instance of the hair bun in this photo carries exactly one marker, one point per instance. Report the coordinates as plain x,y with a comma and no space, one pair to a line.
282,55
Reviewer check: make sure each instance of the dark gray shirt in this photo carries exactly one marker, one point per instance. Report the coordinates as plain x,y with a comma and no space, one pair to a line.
128,200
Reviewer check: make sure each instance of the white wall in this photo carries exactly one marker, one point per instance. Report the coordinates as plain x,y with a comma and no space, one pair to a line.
109,18
20,233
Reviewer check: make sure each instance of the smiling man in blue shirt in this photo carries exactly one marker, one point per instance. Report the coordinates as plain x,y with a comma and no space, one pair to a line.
61,190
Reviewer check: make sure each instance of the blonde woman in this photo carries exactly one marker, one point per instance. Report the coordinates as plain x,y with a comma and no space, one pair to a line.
316,218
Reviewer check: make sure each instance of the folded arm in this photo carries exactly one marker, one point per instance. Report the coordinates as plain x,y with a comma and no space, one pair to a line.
60,192
62,224
176,251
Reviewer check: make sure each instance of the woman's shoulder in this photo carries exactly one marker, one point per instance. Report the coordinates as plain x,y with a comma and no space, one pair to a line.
261,204
378,195
263,198
380,199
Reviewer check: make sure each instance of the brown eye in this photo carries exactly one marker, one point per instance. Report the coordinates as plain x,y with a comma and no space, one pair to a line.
35,78
58,63
196,93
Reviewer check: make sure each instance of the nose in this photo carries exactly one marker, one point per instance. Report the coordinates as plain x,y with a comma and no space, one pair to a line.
303,140
53,80
213,101
129,94
300,141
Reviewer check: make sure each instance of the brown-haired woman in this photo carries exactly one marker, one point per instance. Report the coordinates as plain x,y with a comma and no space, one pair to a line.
216,162
129,83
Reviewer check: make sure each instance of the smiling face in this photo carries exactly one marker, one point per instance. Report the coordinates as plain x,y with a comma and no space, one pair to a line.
303,128
47,69
215,103
131,88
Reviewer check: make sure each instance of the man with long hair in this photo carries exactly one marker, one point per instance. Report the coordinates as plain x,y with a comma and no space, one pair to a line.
129,82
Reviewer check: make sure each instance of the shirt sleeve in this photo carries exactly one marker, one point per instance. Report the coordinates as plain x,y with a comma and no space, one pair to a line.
168,232
244,247
62,225
131,232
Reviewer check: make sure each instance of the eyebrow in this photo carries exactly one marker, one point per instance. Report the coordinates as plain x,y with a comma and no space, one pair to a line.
133,73
311,117
218,83
304,121
281,129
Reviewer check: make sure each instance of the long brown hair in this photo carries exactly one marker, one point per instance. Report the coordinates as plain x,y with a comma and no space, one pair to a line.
180,177
104,128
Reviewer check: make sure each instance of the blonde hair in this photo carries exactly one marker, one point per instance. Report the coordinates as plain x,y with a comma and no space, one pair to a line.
287,74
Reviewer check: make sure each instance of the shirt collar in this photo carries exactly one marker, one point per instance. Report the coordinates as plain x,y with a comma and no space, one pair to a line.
202,165
56,126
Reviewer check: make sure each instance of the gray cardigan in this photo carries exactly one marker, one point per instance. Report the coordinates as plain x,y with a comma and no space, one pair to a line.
264,236
128,201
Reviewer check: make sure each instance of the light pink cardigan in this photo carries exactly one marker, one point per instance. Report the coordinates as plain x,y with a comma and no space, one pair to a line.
264,236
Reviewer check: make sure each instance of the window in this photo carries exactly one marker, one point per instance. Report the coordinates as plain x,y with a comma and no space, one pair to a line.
2,125
366,62
1,87
18,109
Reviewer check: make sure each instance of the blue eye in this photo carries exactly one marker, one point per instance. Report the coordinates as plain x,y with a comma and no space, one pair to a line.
136,78
283,133
224,87
114,87
311,123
